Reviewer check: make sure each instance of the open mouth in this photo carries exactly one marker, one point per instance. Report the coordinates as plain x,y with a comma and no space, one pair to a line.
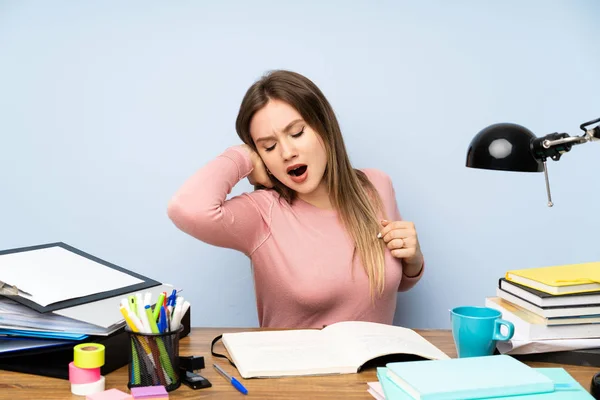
298,171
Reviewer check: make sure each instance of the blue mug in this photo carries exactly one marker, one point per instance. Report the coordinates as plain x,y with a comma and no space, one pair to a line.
476,329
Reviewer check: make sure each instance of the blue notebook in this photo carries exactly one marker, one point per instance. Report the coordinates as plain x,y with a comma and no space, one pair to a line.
468,378
570,388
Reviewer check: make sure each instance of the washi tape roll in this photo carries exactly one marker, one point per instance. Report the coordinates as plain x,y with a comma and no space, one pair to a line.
88,355
83,375
84,389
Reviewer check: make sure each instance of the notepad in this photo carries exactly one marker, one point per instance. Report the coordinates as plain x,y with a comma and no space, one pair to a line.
559,279
468,378
558,375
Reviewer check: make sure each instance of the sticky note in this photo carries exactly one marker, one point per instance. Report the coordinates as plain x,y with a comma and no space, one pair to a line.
111,394
149,393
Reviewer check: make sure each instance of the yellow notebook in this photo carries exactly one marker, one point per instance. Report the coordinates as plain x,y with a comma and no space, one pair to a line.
559,279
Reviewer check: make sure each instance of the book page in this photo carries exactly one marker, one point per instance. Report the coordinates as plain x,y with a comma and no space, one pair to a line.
368,340
286,353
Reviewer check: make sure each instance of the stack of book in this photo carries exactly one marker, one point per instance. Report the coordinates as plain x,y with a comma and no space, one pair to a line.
54,296
551,303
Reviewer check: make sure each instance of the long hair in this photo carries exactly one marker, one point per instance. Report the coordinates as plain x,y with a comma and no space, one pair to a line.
350,191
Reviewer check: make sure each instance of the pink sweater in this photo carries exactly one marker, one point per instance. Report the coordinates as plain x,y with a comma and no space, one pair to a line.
301,255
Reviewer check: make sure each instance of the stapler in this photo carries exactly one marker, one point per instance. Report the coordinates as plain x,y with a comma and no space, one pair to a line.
188,366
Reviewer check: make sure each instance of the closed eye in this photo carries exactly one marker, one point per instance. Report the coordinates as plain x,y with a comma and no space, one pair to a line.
269,148
299,133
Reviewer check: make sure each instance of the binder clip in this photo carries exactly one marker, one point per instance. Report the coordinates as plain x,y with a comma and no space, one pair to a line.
9,290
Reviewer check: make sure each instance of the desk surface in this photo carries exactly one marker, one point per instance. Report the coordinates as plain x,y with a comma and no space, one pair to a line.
16,386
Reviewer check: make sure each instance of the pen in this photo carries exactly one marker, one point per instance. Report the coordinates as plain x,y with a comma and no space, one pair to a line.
170,303
162,320
236,384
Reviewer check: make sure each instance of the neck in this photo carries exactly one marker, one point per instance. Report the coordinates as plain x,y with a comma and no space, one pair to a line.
318,197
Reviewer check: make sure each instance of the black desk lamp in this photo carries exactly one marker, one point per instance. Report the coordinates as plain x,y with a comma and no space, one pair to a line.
511,147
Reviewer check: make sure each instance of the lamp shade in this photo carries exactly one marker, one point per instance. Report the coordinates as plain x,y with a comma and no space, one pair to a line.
505,147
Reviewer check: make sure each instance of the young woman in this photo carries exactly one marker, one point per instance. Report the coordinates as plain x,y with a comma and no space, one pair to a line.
326,241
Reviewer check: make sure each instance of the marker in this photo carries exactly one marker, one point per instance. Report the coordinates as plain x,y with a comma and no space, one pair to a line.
141,312
133,304
158,305
236,384
179,314
176,318
131,324
151,321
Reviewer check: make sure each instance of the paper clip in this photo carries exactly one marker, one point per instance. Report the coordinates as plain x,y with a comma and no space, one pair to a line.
9,290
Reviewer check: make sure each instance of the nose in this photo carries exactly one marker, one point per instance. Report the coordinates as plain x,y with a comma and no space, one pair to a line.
288,150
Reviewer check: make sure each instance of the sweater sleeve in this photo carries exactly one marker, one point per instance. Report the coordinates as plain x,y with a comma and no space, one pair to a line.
407,282
200,207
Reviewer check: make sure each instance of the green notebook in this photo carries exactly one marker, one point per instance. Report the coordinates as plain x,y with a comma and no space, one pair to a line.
570,389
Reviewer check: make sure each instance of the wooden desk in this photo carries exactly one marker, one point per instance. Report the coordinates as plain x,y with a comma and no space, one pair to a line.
17,386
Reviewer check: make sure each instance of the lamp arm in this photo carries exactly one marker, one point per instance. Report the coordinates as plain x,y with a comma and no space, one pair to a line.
555,145
547,143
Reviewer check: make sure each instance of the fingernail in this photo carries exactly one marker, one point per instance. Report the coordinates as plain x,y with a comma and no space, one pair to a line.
379,235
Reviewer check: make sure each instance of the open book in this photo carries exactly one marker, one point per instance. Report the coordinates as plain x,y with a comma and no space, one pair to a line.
340,348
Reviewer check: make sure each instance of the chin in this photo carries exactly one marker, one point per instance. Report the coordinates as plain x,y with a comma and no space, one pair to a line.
303,188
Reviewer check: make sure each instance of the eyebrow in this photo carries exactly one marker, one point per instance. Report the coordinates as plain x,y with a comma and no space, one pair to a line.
285,130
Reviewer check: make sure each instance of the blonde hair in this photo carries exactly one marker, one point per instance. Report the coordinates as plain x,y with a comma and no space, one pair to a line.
350,191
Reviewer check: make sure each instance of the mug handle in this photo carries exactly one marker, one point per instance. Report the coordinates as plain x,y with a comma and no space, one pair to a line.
509,325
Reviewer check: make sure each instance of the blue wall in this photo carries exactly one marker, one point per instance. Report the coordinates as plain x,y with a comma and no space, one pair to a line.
107,107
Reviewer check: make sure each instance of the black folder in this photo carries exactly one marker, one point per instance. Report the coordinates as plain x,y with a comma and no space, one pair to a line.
147,282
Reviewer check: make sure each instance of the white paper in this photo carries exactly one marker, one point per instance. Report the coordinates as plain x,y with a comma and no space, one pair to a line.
545,346
55,274
105,312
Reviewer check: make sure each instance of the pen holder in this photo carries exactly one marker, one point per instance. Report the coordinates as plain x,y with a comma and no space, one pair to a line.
154,359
